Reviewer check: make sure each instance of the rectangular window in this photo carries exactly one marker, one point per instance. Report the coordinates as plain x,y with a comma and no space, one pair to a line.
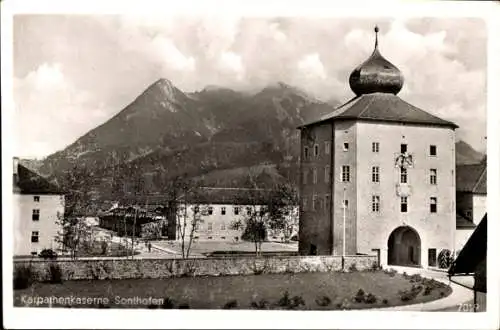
316,150
327,147
327,201
197,227
404,204
375,174
209,226
36,215
249,211
375,147
314,202
404,175
432,257
236,210
433,150
196,209
375,203
433,176
223,226
433,204
346,173
223,210
304,176
210,210
345,204
404,148
304,203
36,199
346,146
315,176
468,214
34,236
327,174
306,153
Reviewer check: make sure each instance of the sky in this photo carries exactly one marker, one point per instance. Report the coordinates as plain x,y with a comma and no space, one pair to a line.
74,72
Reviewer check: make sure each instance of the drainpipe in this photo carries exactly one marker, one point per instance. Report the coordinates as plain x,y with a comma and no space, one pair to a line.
343,234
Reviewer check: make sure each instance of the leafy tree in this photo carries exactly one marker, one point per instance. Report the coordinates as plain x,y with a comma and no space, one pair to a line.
74,233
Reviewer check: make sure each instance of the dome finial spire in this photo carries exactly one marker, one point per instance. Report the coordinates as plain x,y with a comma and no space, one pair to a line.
376,36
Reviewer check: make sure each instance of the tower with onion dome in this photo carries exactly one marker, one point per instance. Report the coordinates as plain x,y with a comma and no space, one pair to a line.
377,174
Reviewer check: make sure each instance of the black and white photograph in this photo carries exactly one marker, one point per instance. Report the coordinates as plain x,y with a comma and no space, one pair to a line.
250,164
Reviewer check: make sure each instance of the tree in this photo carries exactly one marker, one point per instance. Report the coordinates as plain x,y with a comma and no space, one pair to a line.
187,222
74,233
281,207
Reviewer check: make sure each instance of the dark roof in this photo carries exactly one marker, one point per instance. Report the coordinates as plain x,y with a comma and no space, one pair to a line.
464,223
472,178
208,195
382,107
30,183
474,251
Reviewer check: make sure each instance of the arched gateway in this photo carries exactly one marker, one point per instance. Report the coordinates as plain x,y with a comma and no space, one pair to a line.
404,247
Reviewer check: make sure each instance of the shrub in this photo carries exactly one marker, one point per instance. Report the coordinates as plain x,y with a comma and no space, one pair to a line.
23,277
323,301
168,303
284,300
415,278
297,301
184,306
48,254
370,299
445,258
360,296
353,268
290,303
427,290
385,301
344,305
375,266
441,293
261,304
231,304
55,274
407,295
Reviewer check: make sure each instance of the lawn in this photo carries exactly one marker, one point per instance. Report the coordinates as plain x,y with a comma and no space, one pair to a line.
207,247
318,291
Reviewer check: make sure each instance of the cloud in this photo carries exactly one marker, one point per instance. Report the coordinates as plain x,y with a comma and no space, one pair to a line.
82,70
50,111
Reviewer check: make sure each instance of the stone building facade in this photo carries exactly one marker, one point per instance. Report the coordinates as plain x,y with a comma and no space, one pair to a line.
378,175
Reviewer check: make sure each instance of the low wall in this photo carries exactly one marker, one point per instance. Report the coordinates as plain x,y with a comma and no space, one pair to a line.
165,268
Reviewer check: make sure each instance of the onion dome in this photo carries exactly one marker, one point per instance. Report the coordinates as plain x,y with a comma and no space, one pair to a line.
376,75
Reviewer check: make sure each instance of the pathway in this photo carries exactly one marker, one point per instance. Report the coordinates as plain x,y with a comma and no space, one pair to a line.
461,292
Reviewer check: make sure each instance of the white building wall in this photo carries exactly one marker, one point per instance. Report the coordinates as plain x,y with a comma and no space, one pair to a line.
217,226
462,235
479,205
50,208
436,230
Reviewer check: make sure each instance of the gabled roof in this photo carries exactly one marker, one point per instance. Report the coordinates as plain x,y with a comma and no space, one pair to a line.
472,178
30,183
383,107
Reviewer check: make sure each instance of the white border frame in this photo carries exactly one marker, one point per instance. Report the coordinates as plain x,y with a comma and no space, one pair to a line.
70,318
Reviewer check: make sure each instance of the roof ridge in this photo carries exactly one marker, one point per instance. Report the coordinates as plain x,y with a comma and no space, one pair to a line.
479,179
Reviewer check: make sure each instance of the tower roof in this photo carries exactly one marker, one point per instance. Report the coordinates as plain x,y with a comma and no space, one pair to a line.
376,75
383,107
